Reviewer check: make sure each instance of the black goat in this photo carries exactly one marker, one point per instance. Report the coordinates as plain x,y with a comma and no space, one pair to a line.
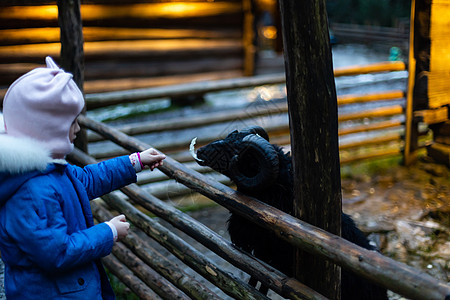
263,171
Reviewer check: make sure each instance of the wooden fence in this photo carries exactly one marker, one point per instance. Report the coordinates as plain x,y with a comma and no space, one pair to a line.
141,268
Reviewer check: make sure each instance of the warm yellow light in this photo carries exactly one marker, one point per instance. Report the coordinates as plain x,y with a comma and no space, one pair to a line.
140,10
177,8
270,32
44,12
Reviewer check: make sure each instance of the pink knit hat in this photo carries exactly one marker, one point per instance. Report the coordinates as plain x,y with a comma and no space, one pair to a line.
42,104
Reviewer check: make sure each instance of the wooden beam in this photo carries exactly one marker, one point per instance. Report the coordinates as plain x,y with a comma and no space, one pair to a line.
410,127
432,116
72,53
249,37
371,68
313,120
148,259
126,276
440,153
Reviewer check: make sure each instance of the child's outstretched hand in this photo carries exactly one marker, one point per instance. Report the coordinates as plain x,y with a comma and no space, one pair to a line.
121,225
152,158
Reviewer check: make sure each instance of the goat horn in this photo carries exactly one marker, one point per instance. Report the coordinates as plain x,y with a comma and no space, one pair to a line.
256,130
254,147
192,150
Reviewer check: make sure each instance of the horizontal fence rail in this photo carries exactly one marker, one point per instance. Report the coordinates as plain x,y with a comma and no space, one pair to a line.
393,275
200,88
385,118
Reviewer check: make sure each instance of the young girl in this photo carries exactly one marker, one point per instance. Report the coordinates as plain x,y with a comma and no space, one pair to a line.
48,241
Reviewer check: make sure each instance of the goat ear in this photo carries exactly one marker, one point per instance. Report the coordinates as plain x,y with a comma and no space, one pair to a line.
265,169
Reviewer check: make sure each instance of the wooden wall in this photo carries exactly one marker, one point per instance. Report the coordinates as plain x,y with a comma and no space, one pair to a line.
130,44
430,52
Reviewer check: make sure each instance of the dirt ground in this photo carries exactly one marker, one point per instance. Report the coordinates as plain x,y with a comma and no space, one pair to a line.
406,211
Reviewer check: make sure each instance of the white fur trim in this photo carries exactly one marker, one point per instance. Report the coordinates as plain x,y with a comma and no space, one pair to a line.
2,124
19,155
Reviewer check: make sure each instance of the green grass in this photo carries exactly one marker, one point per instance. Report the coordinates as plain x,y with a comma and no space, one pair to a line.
370,167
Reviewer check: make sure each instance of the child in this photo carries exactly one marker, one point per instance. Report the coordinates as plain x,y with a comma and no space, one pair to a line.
48,241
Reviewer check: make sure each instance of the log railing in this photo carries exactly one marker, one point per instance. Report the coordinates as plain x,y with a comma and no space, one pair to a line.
278,282
393,275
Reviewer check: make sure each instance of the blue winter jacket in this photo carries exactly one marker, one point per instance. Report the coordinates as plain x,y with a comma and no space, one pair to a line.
48,241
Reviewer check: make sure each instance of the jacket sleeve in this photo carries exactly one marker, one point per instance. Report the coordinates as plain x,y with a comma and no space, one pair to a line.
104,177
37,225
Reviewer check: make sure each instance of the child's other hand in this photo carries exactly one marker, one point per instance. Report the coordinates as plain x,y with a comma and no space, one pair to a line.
121,225
152,158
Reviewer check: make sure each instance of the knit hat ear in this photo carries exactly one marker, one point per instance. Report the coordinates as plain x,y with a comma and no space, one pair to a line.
50,63
42,104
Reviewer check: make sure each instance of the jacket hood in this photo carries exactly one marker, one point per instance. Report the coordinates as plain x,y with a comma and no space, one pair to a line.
20,159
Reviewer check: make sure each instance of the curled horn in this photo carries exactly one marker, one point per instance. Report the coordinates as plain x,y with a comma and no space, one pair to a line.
256,164
256,130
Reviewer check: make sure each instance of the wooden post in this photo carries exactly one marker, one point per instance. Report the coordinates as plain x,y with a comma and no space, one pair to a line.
313,123
249,38
410,127
72,55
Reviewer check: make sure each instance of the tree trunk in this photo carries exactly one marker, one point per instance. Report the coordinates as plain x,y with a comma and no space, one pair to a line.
72,55
314,133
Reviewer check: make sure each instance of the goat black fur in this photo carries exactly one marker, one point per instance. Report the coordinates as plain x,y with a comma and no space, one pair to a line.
226,155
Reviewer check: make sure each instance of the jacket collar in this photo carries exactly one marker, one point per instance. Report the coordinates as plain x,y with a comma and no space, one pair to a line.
21,155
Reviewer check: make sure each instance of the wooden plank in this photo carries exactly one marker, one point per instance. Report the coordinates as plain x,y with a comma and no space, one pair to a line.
442,129
126,276
373,113
92,34
372,68
126,50
432,116
440,153
378,140
48,2
379,96
370,127
188,14
153,68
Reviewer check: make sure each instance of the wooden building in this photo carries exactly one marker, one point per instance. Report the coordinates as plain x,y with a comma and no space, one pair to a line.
133,44
429,77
